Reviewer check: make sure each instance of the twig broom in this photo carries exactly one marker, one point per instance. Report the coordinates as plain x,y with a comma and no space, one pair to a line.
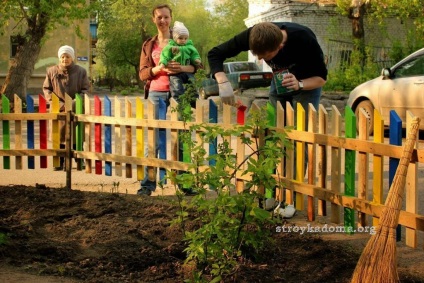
378,259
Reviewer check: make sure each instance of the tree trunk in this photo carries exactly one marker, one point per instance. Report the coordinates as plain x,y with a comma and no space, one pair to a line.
357,12
357,16
20,71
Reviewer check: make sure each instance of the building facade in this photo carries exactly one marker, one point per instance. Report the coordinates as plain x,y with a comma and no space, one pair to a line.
83,45
333,31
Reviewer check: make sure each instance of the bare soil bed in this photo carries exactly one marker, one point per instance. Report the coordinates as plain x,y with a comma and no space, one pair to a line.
60,235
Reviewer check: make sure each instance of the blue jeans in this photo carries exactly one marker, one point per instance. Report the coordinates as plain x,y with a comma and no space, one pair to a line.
177,82
157,97
303,97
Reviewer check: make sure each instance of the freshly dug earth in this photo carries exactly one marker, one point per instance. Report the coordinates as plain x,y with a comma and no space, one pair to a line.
79,236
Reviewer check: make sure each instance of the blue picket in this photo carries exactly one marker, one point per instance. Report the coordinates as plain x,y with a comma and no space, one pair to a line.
395,138
30,130
213,118
108,135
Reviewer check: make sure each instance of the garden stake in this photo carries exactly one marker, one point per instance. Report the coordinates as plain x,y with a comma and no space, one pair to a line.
378,259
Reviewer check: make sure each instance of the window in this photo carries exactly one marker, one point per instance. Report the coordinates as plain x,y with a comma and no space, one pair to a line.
15,41
414,67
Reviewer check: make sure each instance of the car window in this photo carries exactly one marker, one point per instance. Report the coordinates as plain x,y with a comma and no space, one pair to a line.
243,67
414,67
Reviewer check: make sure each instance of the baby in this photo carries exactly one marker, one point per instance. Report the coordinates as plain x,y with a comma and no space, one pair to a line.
179,49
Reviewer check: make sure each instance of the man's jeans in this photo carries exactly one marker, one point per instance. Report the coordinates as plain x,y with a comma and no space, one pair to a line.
303,97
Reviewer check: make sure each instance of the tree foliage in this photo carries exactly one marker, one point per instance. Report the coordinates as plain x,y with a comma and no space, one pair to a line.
381,9
125,24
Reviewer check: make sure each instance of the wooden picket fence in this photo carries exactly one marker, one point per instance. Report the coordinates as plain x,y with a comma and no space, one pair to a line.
344,176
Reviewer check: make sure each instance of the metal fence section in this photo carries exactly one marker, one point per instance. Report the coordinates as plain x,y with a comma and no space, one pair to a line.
339,52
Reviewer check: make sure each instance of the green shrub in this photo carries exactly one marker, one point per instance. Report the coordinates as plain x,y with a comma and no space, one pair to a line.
231,225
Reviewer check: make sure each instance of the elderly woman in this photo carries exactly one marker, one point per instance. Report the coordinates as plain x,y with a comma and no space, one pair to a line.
65,78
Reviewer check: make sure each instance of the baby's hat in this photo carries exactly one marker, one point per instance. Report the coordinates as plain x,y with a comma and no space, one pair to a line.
179,29
66,49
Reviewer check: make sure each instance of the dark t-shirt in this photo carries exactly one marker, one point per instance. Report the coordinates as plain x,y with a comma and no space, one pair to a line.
301,53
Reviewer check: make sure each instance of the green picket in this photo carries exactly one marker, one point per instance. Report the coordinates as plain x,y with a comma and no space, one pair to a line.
350,130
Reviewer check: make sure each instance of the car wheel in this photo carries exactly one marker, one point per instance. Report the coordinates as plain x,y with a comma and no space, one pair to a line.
202,93
369,109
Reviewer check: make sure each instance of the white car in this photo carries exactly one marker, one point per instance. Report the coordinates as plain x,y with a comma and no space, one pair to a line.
399,88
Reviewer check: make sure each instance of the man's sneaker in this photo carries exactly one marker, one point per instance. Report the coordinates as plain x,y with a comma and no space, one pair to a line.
144,191
287,212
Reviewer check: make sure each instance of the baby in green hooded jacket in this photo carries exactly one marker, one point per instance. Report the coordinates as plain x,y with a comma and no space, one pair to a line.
180,49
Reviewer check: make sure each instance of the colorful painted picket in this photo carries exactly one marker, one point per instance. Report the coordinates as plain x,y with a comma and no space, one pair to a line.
6,131
30,131
350,156
328,166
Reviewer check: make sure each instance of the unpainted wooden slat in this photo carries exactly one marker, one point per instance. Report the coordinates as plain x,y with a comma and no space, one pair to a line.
128,138
139,137
118,135
363,164
312,127
411,189
290,121
322,158
336,163
377,164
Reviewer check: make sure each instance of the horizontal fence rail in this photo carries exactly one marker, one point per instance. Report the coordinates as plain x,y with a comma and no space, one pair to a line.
343,178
